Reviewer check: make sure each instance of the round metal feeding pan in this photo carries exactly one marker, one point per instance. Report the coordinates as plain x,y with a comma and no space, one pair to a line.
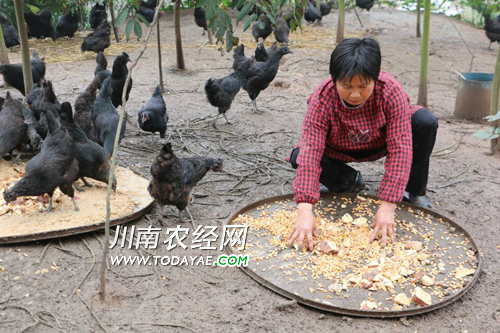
432,263
26,218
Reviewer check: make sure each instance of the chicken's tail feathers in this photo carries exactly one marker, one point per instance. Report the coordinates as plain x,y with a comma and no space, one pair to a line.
157,92
48,91
92,88
100,59
67,112
208,85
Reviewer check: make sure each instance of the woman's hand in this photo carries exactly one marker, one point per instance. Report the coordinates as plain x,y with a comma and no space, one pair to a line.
384,222
305,226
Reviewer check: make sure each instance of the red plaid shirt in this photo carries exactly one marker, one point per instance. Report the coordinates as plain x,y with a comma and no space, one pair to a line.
381,124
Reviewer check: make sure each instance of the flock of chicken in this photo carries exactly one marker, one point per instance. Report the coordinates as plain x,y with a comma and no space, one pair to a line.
79,144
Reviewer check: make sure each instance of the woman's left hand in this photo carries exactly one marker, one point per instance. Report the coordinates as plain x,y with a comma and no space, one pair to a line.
384,222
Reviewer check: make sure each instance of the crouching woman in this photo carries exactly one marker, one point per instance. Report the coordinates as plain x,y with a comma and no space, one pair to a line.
361,114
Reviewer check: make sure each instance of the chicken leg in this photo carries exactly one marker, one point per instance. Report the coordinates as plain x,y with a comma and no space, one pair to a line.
74,204
254,104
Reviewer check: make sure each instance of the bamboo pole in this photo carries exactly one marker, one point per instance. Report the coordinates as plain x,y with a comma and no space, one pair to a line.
178,38
340,27
4,56
419,6
424,56
160,70
495,96
112,11
102,290
25,51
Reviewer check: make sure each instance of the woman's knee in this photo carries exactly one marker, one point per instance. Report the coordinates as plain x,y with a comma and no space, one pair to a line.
424,120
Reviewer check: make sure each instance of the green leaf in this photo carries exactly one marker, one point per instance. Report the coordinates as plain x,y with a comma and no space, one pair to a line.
229,40
136,4
292,25
495,136
483,135
211,9
282,3
201,3
137,29
239,4
34,9
249,21
261,24
493,117
244,11
213,23
121,17
128,29
227,20
143,19
220,33
273,21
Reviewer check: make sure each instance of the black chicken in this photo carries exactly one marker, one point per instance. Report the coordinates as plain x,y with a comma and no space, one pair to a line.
265,31
97,15
106,118
325,7
13,130
30,120
261,74
42,98
261,53
91,157
13,73
271,49
55,166
174,178
221,92
10,36
40,25
2,101
118,78
84,106
311,13
153,117
365,4
147,9
200,18
67,25
492,28
281,31
101,70
239,56
99,40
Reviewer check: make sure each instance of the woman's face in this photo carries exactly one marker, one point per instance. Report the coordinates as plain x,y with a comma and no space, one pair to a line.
355,91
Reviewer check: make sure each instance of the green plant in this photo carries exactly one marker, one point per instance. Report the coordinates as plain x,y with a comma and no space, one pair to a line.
130,13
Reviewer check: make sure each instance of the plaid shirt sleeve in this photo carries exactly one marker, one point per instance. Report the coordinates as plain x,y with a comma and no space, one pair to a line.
399,145
312,146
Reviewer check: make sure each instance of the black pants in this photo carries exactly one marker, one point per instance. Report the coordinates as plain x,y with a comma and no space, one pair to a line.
338,176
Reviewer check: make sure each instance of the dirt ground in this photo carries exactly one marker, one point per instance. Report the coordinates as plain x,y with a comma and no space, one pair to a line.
463,184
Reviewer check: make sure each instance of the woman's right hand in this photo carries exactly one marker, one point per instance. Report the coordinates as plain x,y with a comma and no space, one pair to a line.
305,226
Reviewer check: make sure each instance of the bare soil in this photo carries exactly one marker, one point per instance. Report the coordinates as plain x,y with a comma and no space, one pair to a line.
463,184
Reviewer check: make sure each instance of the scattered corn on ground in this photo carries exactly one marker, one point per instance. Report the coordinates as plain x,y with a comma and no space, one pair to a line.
416,270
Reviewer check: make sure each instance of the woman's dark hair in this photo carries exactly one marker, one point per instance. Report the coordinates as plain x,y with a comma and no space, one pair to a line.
356,56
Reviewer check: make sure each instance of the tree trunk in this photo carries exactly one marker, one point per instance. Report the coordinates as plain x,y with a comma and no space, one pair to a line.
495,96
424,56
178,40
160,69
25,51
418,18
4,57
112,11
340,26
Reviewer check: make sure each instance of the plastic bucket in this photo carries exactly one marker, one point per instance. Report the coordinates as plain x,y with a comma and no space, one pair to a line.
473,96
